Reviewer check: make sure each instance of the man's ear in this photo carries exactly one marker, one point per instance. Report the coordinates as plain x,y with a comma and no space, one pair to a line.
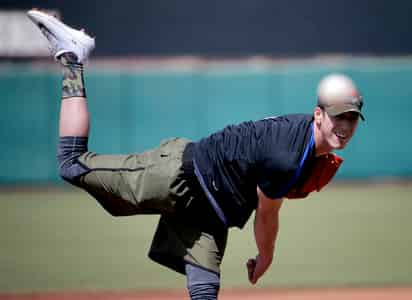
318,115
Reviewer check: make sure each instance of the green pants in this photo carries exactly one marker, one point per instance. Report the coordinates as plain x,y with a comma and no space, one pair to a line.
153,182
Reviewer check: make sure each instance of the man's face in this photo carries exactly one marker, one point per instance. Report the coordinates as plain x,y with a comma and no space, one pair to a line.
338,130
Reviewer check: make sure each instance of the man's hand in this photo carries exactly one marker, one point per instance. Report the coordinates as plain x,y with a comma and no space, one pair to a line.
256,267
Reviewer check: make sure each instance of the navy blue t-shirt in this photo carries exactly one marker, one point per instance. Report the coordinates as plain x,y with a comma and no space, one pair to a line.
265,153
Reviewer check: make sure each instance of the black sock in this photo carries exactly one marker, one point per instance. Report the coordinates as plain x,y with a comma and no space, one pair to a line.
73,82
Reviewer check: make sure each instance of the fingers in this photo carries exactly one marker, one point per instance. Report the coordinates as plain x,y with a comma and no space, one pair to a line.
251,265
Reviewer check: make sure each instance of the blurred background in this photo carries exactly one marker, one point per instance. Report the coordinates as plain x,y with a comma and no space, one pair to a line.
188,68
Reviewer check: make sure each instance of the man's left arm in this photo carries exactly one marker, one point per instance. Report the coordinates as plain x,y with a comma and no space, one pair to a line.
266,227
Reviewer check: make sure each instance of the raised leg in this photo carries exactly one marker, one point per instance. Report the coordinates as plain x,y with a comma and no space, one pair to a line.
122,184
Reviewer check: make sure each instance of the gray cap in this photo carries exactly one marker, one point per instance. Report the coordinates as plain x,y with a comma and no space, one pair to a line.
338,94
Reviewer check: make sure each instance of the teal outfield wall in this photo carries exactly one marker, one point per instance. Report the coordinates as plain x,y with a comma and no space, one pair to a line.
135,108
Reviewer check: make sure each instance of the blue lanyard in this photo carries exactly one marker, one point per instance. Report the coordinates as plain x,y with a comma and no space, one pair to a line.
299,170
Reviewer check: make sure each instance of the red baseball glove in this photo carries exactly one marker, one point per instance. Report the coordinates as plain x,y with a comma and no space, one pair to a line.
323,170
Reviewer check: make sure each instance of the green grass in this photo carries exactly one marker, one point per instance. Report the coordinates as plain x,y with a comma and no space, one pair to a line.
347,235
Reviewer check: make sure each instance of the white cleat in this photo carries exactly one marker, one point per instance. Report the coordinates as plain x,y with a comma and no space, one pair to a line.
62,38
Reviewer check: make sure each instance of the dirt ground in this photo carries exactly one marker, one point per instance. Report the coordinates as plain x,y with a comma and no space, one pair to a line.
251,294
